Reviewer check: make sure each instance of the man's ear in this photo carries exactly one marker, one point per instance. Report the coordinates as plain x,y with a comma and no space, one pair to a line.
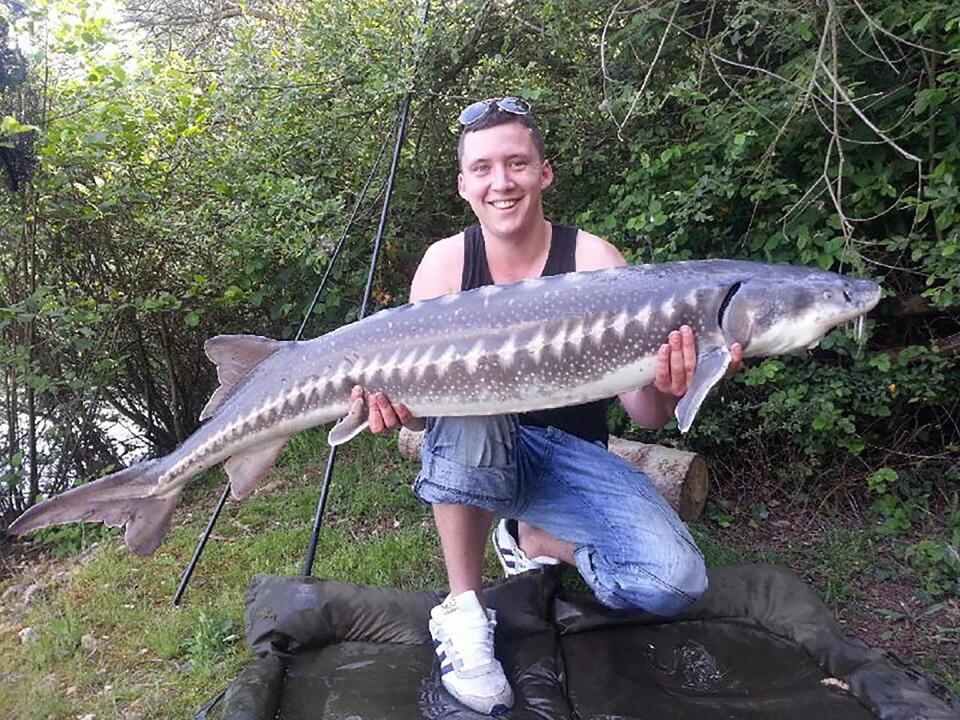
546,175
460,186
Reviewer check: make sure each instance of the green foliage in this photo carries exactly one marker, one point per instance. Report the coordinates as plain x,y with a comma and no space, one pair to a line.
10,126
819,412
68,540
192,180
741,145
58,639
718,511
937,566
935,562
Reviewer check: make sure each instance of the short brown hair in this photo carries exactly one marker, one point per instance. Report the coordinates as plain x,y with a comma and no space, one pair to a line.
494,117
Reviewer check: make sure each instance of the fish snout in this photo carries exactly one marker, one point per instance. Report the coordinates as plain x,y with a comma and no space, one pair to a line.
862,294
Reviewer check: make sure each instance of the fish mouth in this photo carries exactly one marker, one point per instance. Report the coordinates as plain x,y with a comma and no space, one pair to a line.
864,296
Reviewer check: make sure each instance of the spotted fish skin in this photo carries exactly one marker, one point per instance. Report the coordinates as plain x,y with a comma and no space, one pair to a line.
536,344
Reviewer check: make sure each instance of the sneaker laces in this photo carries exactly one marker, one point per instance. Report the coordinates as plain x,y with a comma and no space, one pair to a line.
469,639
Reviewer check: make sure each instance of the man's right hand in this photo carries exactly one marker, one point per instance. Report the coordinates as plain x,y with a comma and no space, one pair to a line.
384,415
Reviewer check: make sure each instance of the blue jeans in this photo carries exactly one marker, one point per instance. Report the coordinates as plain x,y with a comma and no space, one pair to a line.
631,548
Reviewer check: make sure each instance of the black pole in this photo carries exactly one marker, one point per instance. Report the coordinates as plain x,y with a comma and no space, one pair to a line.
371,273
343,236
307,569
332,455
378,242
331,458
192,566
188,571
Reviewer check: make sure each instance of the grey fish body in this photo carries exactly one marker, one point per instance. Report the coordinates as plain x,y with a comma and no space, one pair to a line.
537,344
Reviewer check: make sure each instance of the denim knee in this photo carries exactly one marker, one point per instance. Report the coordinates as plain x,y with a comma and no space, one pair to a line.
664,583
469,461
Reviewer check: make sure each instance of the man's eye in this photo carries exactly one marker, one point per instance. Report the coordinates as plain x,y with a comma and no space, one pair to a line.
518,164
480,168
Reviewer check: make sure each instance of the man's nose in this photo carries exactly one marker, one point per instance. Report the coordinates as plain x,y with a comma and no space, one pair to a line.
501,177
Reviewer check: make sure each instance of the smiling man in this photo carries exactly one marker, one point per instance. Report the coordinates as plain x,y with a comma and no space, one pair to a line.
560,494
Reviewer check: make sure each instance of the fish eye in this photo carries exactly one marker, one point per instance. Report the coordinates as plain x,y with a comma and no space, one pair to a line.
827,295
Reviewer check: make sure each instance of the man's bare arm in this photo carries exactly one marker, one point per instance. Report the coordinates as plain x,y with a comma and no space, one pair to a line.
438,274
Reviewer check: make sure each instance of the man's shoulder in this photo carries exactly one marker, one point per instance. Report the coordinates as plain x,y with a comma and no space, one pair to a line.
595,253
440,269
445,257
445,249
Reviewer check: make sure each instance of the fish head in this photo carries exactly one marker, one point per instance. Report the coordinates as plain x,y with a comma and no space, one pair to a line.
790,309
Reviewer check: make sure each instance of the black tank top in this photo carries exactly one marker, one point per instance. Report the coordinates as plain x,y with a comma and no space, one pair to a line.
587,421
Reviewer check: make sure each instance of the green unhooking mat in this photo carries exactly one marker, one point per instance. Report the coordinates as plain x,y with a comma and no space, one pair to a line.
758,646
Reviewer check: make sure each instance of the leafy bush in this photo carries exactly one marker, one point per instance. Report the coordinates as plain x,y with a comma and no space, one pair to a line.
739,142
937,566
194,181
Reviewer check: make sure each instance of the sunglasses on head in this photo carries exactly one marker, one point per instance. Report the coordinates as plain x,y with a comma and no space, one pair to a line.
474,111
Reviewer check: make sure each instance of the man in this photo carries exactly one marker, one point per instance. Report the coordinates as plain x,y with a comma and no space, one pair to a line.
561,495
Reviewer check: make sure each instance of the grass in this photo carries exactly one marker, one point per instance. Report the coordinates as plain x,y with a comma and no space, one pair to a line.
144,658
110,643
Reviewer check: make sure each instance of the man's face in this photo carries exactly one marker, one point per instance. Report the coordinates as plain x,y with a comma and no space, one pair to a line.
503,177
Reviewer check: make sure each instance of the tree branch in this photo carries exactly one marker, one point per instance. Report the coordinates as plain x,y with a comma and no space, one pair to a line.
646,79
864,118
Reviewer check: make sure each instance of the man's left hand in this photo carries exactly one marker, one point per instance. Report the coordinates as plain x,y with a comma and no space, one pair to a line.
677,361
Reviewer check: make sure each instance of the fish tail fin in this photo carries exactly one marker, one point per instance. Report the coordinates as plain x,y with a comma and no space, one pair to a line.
127,497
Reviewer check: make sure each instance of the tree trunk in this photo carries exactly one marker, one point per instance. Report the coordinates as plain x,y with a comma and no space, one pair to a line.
176,395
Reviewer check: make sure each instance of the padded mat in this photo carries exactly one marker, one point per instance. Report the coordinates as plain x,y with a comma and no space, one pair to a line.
758,644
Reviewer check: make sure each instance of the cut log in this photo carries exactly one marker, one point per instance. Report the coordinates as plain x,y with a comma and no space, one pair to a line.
681,477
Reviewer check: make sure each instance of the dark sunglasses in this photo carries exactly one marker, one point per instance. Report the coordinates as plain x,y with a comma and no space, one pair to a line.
474,111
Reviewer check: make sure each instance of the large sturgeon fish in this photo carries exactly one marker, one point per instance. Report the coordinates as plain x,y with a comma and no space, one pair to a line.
536,344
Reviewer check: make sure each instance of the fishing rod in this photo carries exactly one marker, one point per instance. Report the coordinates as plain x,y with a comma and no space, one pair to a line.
307,569
332,455
215,515
403,114
400,124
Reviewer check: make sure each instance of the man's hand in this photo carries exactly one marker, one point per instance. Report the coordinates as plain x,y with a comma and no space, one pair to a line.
384,415
677,361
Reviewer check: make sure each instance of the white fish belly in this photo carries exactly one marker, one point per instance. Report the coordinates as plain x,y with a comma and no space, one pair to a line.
535,396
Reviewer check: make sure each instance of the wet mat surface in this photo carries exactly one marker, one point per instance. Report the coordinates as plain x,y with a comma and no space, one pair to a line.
704,670
758,645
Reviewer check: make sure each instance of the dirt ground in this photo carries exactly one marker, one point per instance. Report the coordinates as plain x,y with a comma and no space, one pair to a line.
876,603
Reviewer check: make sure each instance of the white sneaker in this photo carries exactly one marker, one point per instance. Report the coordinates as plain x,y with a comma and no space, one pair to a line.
514,560
462,634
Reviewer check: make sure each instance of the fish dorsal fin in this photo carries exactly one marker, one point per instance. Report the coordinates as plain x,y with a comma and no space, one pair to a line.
234,356
712,364
248,468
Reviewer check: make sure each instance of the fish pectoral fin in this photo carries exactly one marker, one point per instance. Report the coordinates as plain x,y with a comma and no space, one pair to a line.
351,425
711,367
246,469
234,356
